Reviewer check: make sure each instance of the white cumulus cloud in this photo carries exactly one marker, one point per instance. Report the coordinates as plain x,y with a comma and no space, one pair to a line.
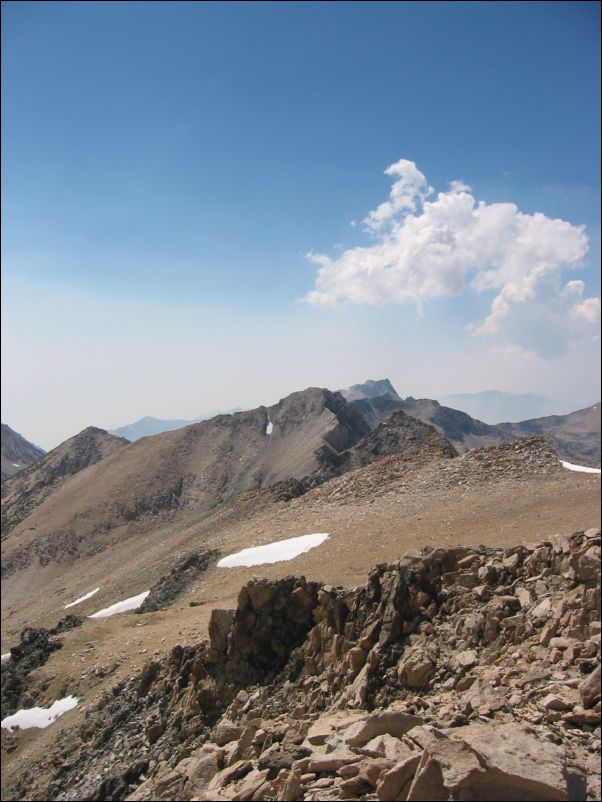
542,317
588,310
429,245
409,187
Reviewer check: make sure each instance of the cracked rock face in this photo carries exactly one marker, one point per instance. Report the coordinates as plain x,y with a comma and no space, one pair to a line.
454,673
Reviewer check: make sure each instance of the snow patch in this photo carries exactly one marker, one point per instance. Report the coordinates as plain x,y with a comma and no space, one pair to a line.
276,552
269,427
39,716
6,656
82,598
121,607
582,468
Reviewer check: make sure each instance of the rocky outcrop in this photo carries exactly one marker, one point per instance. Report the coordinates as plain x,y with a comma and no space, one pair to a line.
35,647
169,587
412,443
455,673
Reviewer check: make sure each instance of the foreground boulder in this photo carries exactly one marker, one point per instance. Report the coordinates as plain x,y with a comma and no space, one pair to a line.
492,761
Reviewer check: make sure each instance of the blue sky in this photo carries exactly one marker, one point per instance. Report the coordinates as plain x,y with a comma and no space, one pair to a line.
167,168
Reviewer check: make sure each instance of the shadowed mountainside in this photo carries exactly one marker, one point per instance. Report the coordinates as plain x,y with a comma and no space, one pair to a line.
17,452
462,430
415,442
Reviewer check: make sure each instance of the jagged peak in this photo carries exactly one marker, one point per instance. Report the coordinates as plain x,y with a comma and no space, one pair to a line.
371,388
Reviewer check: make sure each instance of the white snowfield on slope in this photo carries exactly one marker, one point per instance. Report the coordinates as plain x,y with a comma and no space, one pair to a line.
82,598
39,716
121,606
582,468
280,551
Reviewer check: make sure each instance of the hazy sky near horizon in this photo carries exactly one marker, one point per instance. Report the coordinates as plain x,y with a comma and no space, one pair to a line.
210,205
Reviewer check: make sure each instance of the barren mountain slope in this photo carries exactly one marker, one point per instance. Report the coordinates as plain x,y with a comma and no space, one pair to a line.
23,493
576,436
416,442
182,475
377,400
462,430
17,452
149,426
497,495
376,410
505,494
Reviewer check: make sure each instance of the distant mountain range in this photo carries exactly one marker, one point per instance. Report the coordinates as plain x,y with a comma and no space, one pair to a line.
493,406
17,452
575,436
107,484
148,426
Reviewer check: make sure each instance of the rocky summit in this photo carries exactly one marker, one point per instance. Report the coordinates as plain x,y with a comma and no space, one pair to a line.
454,673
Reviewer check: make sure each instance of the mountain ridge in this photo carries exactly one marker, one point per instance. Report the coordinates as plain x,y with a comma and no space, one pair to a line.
186,472
576,435
33,485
